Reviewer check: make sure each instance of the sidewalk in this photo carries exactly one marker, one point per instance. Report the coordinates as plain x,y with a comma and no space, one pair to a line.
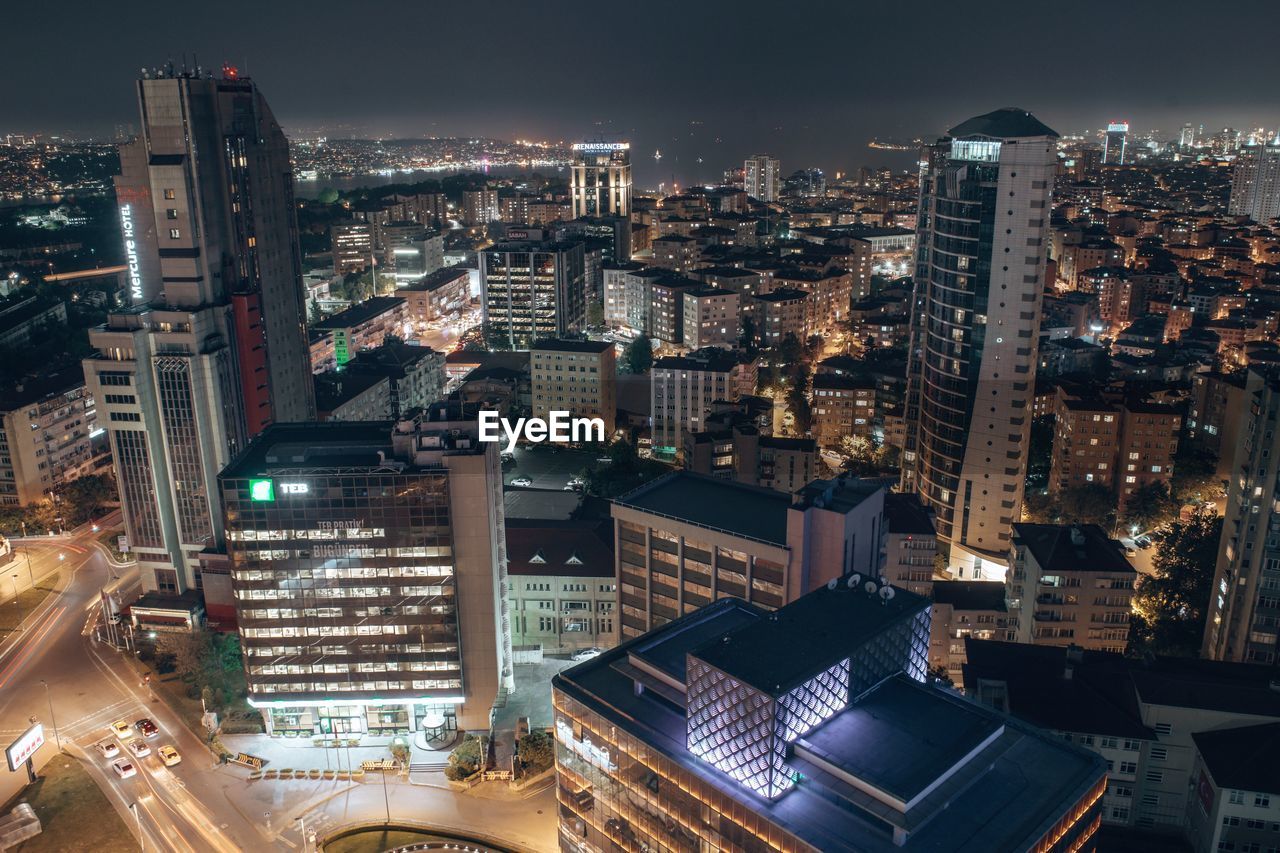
280,753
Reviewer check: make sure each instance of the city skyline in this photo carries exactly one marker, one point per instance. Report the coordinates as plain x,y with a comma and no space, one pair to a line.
822,116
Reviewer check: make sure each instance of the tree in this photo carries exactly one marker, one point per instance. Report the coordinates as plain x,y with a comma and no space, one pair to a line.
536,751
400,751
466,758
314,314
748,338
859,454
940,674
624,471
595,313
1149,506
83,498
328,195
1195,475
637,358
1171,604
1091,504
1040,453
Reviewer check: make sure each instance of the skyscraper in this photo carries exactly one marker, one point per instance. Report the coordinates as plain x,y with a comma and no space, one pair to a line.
532,291
762,177
385,611
1255,183
1244,607
980,267
1113,144
213,348
601,179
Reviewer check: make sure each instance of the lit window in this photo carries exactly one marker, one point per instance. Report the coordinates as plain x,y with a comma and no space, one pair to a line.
174,233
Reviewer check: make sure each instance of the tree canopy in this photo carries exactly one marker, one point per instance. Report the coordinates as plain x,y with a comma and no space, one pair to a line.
637,358
1171,605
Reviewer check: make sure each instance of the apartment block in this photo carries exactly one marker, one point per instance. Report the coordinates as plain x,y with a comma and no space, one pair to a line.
564,593
683,389
579,377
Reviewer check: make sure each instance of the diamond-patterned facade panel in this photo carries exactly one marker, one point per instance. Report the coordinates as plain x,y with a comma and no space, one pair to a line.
814,702
732,727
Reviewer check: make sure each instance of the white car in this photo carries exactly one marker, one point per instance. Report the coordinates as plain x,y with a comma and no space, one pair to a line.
124,769
107,748
522,481
585,654
169,755
139,747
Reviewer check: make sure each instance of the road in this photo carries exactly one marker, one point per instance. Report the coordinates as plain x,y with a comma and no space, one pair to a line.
549,467
87,691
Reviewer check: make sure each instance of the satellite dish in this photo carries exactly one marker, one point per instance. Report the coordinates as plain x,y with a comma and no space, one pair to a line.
883,580
854,580
870,587
833,583
886,592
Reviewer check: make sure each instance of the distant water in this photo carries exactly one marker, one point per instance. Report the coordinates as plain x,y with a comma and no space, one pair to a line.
312,189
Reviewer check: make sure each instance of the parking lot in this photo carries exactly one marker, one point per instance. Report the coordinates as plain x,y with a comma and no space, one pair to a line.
547,466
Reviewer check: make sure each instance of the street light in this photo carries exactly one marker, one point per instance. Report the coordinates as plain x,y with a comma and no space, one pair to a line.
16,602
133,807
52,718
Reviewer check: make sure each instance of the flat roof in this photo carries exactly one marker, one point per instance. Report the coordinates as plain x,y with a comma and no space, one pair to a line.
1072,548
362,313
748,511
811,634
559,345
288,446
901,736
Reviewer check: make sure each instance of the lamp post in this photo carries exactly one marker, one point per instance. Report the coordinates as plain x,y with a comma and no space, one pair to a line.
26,555
133,807
17,603
52,718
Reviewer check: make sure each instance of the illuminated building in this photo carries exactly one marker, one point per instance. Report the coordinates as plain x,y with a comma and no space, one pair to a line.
213,348
368,563
49,435
351,245
762,177
1244,607
1069,585
683,389
480,207
1255,183
984,217
686,539
600,179
810,729
563,594
533,290
711,318
364,326
1115,142
579,377
441,294
411,250
842,406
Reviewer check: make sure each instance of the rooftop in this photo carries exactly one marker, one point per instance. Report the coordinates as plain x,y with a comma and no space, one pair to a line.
1245,758
1004,123
1072,548
320,445
970,595
735,508
560,548
558,345
438,279
364,312
905,514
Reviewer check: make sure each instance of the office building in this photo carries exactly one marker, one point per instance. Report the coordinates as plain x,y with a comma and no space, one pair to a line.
1114,143
50,436
532,290
440,295
683,389
368,565
600,179
564,595
352,246
686,539
810,729
410,250
972,359
1255,183
1069,585
480,207
1146,717
1244,606
762,177
578,377
213,349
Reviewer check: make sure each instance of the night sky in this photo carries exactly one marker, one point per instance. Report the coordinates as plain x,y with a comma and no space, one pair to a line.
810,82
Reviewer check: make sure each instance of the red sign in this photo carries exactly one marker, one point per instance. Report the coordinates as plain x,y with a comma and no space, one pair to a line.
1205,789
25,746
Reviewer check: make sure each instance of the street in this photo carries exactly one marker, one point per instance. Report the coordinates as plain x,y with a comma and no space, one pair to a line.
548,467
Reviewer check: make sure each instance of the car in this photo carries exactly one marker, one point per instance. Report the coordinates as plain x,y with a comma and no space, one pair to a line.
1143,542
169,755
120,728
507,456
146,727
139,747
124,769
585,654
522,481
107,748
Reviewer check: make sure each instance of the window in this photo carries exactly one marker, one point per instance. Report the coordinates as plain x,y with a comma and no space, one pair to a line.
1164,728
170,194
1236,798
1159,753
1129,767
1155,775
1262,801
171,213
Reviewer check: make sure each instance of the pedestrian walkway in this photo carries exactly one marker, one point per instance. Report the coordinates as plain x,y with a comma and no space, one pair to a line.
279,753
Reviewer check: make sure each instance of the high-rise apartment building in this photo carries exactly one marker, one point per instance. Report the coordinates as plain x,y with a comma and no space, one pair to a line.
810,729
480,207
351,245
1244,607
1115,142
1255,183
683,389
600,179
532,291
980,268
213,349
579,377
762,177
49,435
369,565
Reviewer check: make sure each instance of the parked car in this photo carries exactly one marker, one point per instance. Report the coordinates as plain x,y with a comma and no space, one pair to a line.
169,755
522,481
107,748
139,747
120,728
585,654
124,769
146,727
